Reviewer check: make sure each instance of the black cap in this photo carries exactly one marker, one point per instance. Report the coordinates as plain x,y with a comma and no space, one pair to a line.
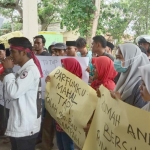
110,45
71,43
59,46
2,47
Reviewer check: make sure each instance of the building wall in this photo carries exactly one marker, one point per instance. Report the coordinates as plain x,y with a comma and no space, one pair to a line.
70,36
67,35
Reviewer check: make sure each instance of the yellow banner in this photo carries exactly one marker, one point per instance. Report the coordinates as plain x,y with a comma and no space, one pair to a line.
118,126
71,102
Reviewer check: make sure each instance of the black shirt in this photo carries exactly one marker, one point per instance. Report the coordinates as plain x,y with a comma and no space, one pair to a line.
45,53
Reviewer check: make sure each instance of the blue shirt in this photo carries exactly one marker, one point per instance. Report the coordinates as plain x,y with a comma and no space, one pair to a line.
89,54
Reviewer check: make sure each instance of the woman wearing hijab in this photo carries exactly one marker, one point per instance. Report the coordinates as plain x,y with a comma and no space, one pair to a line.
128,58
64,142
104,73
145,86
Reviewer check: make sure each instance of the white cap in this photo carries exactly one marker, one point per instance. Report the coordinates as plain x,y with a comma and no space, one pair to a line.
146,37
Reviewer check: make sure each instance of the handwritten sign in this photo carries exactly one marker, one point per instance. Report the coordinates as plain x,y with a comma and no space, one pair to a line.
71,102
48,64
118,126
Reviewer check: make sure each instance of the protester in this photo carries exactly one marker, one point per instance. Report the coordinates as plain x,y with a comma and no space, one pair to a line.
109,48
98,47
82,48
64,142
84,52
46,134
71,49
145,87
144,44
51,49
3,116
104,73
128,58
24,90
2,52
39,43
60,49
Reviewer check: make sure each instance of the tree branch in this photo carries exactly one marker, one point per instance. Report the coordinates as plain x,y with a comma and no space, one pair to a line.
14,6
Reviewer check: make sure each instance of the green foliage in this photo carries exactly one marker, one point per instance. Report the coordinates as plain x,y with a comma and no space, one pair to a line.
115,18
78,15
49,11
6,28
141,16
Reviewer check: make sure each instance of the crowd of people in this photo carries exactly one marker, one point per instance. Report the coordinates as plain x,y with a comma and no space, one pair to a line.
125,75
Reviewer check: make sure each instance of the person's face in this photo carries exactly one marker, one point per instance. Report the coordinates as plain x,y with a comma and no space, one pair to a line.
146,46
59,52
71,51
96,47
144,93
2,54
108,50
120,56
82,49
17,56
38,45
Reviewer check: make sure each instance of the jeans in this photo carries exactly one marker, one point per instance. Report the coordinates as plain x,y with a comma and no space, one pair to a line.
64,142
24,143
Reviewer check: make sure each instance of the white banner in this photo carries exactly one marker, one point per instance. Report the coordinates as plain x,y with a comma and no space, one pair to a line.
48,64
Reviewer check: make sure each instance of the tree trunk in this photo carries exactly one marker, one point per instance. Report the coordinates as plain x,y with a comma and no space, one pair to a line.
94,23
96,17
44,27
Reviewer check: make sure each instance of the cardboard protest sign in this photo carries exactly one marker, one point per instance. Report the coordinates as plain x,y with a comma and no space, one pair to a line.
118,126
71,102
48,64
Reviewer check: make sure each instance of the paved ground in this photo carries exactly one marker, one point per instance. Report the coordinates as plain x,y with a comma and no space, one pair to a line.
5,145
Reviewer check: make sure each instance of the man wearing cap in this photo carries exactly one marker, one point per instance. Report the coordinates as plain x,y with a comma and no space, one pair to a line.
109,48
71,48
24,89
60,49
144,43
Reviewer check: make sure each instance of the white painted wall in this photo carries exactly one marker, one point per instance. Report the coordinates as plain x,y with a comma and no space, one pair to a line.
30,19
